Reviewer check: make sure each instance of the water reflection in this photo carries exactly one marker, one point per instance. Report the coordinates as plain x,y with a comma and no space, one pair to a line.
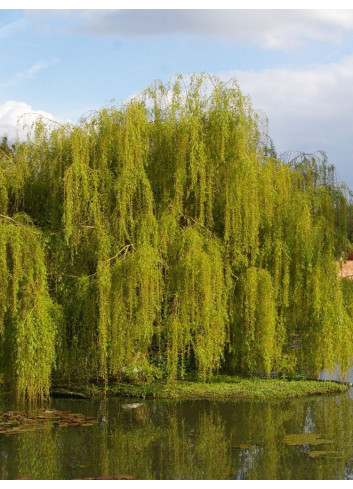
188,440
337,374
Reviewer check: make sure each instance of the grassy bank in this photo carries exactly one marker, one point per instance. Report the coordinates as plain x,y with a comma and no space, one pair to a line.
224,387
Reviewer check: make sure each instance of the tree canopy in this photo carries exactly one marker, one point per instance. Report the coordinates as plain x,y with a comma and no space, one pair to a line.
166,236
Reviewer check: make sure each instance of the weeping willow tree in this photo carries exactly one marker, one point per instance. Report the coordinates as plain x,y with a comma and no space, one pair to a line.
28,316
172,239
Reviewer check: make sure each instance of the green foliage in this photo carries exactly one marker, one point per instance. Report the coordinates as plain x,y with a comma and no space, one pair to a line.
197,313
170,234
349,219
28,317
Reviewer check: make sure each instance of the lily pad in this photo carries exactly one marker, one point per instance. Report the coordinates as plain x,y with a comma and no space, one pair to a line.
107,478
325,454
305,439
18,422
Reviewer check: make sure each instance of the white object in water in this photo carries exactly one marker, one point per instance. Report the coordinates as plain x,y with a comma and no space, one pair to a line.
133,405
134,370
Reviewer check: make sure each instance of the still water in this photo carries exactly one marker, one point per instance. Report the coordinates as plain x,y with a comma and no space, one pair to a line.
189,440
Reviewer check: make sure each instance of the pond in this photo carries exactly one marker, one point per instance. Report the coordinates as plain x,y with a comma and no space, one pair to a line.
189,440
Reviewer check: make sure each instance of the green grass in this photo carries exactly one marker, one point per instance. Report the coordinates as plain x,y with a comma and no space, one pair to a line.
223,387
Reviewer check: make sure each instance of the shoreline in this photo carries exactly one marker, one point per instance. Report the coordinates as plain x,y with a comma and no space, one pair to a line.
229,388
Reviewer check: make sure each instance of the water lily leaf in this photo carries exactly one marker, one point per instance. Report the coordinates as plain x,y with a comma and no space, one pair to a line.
305,439
13,422
325,454
109,477
124,477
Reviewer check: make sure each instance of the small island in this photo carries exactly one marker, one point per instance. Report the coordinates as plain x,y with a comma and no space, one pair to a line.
223,388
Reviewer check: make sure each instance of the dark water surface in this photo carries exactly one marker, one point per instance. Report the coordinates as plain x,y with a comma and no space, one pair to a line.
189,440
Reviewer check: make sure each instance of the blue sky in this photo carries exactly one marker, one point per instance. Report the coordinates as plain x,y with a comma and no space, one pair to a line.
296,65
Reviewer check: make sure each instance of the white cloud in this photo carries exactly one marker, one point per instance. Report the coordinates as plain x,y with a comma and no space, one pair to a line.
16,118
308,109
10,29
29,72
22,75
285,30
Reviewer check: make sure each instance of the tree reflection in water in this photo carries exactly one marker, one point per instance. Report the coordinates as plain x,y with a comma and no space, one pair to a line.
189,440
